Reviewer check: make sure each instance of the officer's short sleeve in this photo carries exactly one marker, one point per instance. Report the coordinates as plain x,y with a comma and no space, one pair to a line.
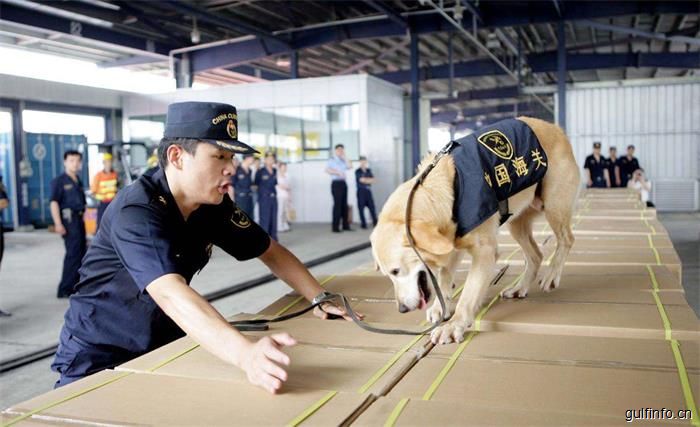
56,190
587,164
237,234
143,244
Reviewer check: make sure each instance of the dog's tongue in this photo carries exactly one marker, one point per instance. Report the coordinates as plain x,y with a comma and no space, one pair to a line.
423,302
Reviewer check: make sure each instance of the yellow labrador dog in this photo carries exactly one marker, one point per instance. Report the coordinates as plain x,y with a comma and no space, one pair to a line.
527,162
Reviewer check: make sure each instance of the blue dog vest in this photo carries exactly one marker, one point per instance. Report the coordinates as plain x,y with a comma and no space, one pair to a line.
493,164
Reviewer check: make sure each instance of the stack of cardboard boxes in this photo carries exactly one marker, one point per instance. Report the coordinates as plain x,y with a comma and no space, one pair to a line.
617,341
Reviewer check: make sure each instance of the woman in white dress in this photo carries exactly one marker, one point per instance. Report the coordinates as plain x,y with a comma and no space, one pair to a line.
284,198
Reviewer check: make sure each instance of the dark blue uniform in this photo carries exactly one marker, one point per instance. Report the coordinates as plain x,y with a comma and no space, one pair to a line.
597,169
70,197
610,166
143,236
267,200
627,168
242,182
364,196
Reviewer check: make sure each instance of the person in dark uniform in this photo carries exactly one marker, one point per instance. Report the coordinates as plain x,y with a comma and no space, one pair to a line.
242,182
4,204
364,180
596,171
266,180
611,166
336,167
134,296
67,209
627,165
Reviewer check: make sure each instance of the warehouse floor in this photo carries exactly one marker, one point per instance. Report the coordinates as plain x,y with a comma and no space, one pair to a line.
38,315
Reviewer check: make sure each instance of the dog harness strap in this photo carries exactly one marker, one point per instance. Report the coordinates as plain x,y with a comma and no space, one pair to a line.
503,211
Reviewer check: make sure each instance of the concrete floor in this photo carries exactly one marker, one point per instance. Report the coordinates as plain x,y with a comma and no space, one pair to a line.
29,291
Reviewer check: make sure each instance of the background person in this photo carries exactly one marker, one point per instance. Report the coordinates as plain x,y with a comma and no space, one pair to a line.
67,209
242,185
364,180
266,181
642,185
336,167
104,186
284,198
611,166
627,165
596,171
4,204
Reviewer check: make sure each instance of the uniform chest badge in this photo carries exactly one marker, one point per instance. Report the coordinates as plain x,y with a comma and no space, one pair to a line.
241,176
162,200
68,187
240,219
266,177
496,142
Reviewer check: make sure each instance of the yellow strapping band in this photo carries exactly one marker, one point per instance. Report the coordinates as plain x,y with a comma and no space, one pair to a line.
388,365
685,383
446,369
394,416
311,409
675,348
511,254
659,304
653,248
65,399
482,313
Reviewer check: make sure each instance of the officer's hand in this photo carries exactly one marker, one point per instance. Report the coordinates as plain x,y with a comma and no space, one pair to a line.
328,310
261,363
60,229
590,183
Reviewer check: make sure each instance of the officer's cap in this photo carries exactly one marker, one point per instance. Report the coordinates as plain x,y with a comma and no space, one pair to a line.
363,158
596,145
209,122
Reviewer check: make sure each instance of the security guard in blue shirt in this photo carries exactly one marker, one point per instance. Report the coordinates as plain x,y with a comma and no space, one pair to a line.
266,180
67,209
134,294
596,169
364,179
242,182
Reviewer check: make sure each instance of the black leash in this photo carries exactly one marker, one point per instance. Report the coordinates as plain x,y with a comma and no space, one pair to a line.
262,324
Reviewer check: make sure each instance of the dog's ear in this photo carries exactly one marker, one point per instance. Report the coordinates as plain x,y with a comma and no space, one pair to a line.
428,237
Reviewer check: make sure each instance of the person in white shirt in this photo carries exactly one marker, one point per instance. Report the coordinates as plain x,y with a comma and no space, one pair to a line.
284,198
642,185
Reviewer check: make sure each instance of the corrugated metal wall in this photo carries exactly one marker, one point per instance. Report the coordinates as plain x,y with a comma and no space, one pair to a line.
662,121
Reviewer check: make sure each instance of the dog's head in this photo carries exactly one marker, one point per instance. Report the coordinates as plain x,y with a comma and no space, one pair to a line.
395,258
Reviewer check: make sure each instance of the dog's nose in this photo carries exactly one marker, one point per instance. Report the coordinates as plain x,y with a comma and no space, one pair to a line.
402,308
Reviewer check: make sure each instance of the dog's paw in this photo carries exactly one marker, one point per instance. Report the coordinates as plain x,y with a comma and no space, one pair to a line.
548,284
448,333
514,292
434,313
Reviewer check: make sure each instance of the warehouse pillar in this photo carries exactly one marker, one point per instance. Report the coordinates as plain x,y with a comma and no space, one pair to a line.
183,72
561,75
415,98
294,65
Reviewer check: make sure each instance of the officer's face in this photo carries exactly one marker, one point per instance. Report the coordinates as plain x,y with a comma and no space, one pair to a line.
340,152
207,173
73,164
630,151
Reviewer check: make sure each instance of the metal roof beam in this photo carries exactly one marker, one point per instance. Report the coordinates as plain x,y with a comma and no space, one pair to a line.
521,13
451,116
393,16
37,19
639,33
546,62
474,95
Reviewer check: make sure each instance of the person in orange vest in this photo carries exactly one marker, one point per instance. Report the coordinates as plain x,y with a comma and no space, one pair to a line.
104,186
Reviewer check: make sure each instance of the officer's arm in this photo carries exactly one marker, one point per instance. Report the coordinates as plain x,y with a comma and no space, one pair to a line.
606,174
194,315
287,267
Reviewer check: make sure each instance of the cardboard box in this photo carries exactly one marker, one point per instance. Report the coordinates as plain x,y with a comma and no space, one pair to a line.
418,412
628,353
146,399
542,387
312,367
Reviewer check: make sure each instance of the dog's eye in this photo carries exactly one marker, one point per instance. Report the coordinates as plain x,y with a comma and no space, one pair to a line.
394,272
